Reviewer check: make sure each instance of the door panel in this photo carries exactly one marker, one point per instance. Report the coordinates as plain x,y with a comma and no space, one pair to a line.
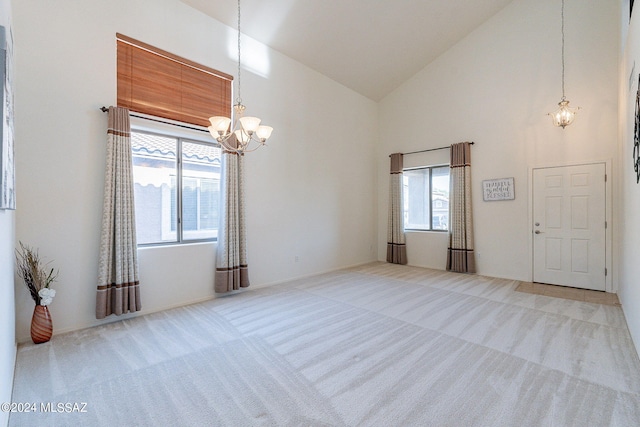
569,214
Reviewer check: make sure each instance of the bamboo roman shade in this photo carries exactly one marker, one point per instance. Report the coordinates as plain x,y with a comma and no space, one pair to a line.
152,81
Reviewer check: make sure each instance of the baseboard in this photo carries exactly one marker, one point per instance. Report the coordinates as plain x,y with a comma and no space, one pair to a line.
305,276
143,312
112,319
636,343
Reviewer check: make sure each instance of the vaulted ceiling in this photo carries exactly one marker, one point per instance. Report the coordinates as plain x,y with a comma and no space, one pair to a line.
370,46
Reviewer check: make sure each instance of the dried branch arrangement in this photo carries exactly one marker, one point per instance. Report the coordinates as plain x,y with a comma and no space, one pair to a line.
35,274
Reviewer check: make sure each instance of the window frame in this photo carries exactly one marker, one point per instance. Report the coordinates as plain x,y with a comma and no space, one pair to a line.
430,169
181,135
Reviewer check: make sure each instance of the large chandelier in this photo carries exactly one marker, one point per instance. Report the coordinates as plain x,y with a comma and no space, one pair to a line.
247,134
564,115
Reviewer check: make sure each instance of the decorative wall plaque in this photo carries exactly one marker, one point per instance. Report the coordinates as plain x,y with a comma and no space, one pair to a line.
498,189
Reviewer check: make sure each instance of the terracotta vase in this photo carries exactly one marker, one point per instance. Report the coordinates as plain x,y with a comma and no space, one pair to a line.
41,324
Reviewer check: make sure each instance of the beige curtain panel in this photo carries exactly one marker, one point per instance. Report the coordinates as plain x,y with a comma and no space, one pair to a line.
460,255
396,247
232,271
118,284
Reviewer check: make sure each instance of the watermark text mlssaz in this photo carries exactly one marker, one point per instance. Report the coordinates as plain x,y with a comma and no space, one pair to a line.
49,407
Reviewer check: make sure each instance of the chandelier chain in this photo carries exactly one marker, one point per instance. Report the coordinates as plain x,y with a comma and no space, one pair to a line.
239,97
564,115
562,15
239,133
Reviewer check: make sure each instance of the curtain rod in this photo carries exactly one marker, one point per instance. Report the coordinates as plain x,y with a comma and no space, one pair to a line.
105,109
430,149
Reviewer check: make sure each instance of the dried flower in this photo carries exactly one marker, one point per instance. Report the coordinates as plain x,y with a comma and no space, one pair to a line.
35,274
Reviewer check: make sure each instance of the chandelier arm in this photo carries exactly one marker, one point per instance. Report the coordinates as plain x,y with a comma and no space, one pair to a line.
228,148
256,139
240,151
253,149
243,148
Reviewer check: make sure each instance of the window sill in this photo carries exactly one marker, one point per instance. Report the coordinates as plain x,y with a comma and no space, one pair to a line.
176,244
416,230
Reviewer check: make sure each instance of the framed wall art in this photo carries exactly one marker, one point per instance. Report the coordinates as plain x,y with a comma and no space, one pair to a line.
636,135
7,162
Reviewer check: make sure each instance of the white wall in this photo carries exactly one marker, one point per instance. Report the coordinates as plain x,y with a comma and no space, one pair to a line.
7,309
495,88
7,298
629,287
311,193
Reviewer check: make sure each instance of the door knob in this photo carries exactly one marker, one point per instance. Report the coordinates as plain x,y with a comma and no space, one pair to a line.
537,224
538,231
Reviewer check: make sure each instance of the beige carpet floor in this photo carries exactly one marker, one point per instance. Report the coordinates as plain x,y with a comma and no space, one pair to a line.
376,345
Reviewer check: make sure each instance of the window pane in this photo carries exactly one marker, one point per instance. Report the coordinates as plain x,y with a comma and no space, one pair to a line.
440,198
416,199
200,190
209,201
189,204
154,175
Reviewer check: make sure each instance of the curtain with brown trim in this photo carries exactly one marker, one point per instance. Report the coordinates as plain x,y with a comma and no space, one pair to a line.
118,285
231,256
460,256
396,247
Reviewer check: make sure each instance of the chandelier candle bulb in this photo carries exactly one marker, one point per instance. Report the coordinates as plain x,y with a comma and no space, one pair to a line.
564,115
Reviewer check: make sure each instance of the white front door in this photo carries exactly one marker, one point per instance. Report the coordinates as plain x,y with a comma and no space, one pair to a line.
569,226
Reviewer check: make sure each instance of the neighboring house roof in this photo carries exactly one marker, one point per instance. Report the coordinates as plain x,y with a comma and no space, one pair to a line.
165,147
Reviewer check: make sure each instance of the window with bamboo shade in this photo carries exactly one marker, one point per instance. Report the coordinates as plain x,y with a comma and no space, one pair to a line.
155,82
